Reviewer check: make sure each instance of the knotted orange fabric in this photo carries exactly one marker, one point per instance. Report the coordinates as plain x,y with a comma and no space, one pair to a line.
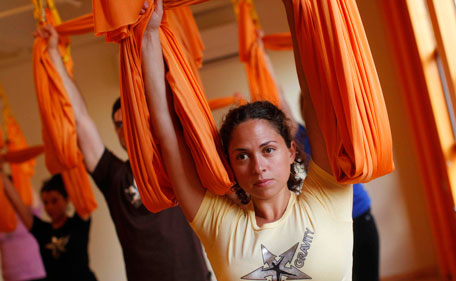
261,83
57,118
278,42
344,88
189,100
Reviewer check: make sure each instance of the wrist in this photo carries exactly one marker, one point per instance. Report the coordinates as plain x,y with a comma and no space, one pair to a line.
150,38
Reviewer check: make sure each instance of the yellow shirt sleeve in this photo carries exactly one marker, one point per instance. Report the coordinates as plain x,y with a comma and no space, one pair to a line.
321,190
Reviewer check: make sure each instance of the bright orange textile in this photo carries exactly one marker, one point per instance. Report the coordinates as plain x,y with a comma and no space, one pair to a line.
8,219
23,155
226,101
261,83
278,42
20,172
189,100
57,118
344,88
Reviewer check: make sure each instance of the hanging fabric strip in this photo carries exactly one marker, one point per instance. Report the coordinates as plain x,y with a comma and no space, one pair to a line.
8,219
278,42
236,99
261,83
57,118
344,88
189,100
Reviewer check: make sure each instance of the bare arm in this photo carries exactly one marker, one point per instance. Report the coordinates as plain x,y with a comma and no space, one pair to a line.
21,209
89,139
176,155
316,140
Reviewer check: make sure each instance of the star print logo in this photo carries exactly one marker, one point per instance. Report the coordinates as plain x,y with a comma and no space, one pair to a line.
57,246
133,195
277,268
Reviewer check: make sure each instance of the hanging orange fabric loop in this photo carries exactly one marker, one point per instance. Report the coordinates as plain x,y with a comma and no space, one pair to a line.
236,99
189,100
261,83
57,118
344,88
278,42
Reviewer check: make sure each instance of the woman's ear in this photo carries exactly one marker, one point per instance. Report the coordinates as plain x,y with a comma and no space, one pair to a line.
292,151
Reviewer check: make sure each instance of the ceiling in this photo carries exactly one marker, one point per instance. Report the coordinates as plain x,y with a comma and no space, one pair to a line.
17,22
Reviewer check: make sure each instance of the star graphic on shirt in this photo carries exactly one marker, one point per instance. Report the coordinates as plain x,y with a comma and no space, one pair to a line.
277,268
57,245
133,195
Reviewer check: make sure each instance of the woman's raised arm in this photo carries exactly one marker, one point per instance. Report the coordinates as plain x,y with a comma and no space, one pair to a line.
165,124
316,140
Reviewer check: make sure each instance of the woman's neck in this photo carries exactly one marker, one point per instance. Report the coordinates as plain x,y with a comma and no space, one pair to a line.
267,211
58,223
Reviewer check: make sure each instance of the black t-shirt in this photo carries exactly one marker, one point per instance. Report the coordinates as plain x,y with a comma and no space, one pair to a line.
159,246
64,250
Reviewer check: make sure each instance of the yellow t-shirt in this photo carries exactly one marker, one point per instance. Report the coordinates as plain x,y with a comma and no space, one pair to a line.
312,240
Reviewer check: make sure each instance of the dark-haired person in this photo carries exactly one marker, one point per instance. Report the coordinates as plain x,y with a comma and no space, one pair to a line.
280,235
63,242
159,246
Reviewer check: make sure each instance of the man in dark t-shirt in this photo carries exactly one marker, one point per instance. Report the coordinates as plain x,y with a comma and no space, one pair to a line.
158,246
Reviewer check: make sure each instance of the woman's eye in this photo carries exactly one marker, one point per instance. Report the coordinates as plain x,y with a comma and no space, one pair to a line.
241,156
269,149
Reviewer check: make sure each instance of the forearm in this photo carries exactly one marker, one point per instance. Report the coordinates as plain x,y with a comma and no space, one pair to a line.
316,139
89,139
16,201
176,155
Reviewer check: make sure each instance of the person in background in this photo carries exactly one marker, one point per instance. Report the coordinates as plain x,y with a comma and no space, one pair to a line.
159,246
20,253
63,241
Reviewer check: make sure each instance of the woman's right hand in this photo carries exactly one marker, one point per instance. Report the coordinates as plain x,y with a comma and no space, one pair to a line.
48,33
156,17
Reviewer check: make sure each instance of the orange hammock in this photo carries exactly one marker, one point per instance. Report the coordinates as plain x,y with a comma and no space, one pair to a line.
189,100
261,83
344,88
57,118
278,42
226,101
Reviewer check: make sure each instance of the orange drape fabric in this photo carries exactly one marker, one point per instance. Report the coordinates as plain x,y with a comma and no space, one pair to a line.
226,101
23,155
261,83
189,100
344,88
57,118
278,42
20,172
22,164
8,220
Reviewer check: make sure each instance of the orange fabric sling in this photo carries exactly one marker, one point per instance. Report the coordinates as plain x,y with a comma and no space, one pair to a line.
22,164
8,220
57,118
226,101
278,42
189,100
261,83
344,88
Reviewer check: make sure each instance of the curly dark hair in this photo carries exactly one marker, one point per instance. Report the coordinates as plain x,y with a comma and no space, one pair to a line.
55,183
266,111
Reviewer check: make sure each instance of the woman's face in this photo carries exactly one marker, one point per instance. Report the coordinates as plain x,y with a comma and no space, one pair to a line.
54,204
260,159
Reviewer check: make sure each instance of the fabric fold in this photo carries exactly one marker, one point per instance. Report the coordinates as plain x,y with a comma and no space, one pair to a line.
190,103
61,149
344,88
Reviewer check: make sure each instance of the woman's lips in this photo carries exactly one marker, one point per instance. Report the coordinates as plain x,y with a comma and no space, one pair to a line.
263,183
